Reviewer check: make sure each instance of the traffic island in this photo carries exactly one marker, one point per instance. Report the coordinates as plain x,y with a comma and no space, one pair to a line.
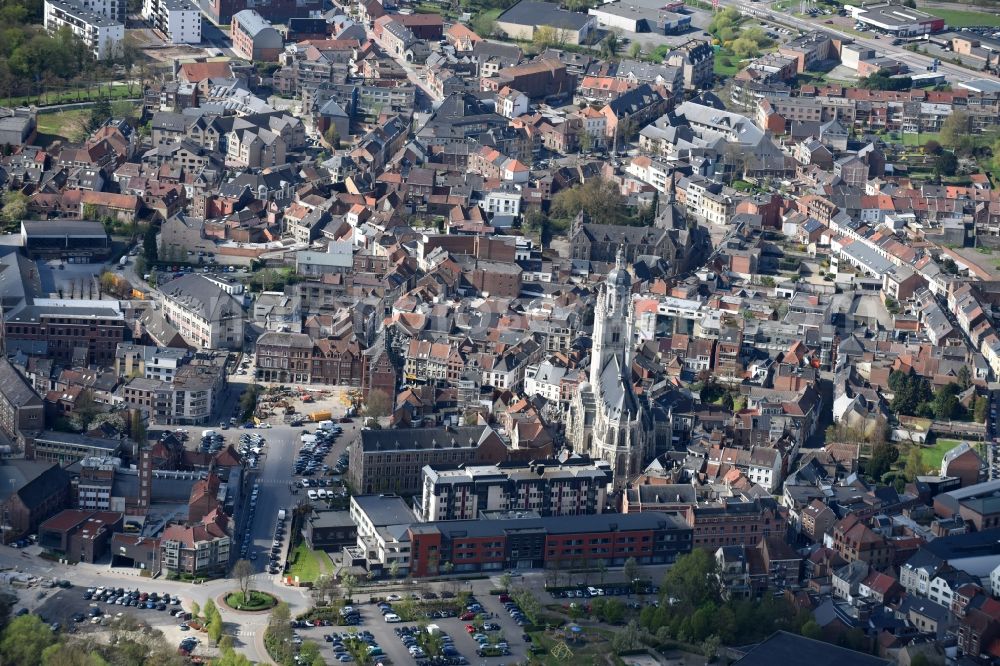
255,601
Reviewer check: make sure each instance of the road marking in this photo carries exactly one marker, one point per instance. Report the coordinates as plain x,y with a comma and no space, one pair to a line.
246,633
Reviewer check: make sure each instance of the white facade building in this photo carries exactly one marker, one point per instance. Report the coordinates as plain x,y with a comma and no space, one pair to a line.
179,20
575,487
101,34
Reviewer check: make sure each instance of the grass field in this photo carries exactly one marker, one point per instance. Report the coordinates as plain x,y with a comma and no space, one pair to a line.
932,455
304,564
60,125
726,70
958,18
77,95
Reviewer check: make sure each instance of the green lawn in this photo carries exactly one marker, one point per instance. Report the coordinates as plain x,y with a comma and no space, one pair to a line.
958,18
304,564
77,95
932,455
726,70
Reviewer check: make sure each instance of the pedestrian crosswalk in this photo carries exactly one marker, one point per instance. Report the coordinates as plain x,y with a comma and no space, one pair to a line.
246,633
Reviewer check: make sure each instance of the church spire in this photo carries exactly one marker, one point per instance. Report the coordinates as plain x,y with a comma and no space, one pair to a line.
620,258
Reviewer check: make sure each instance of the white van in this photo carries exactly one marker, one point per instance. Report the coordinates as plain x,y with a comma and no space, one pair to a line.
312,494
207,433
391,618
326,425
322,493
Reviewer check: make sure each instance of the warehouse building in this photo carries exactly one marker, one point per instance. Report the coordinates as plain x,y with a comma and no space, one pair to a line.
67,239
632,18
521,21
897,20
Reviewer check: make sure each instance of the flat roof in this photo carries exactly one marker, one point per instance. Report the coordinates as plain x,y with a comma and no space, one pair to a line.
530,12
84,15
895,15
980,85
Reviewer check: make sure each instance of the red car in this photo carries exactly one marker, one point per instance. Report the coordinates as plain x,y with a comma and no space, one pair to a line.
504,598
468,616
469,629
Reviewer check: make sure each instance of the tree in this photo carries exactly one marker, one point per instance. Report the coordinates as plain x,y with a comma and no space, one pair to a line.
546,36
631,571
484,25
231,658
210,611
308,652
626,640
85,407
24,641
812,630
964,377
980,409
635,50
149,249
945,164
914,464
597,198
215,628
932,147
610,45
99,114
883,456
692,580
332,136
954,129
394,569
379,404
505,581
243,572
350,583
76,653
195,609
15,207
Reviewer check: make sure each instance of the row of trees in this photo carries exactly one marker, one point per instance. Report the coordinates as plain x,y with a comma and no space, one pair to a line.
912,396
748,43
27,641
32,60
602,201
692,609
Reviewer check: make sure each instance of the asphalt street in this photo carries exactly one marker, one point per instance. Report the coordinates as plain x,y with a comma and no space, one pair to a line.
918,63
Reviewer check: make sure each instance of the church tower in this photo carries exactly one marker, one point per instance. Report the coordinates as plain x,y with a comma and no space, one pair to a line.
612,321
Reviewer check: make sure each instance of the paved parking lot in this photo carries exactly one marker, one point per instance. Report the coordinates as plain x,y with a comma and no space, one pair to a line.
60,606
396,652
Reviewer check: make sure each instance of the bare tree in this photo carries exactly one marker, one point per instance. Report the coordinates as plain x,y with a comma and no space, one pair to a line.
243,572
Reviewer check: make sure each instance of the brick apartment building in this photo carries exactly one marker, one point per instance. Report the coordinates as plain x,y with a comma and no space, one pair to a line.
71,332
556,542
732,522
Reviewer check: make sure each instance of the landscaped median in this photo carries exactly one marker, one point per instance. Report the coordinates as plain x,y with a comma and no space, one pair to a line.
254,601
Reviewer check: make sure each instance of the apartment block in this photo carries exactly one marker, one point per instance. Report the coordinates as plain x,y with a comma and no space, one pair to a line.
548,487
178,20
102,35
